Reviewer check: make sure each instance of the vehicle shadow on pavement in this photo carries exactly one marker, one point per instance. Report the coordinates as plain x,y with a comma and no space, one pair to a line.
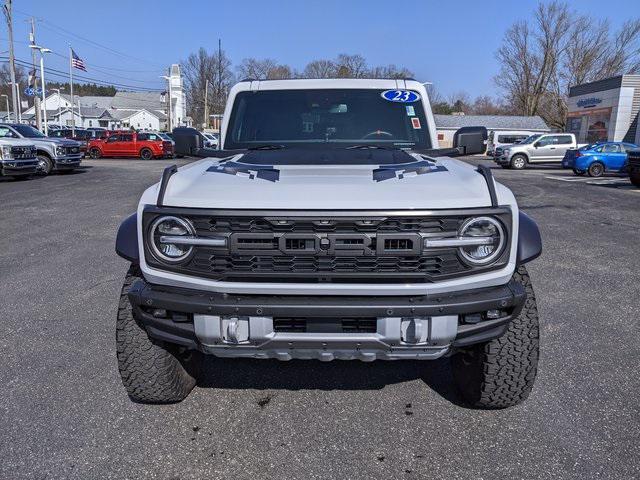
316,375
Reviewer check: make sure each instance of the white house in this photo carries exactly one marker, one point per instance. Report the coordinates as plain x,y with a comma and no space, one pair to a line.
140,110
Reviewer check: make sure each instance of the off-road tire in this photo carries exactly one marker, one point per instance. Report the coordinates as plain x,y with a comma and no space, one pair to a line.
151,372
596,169
500,373
146,154
635,178
518,162
45,165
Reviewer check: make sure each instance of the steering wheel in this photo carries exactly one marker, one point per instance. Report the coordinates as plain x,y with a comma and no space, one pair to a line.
378,133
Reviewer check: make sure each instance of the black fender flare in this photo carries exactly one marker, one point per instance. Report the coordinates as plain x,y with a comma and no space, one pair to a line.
529,239
127,239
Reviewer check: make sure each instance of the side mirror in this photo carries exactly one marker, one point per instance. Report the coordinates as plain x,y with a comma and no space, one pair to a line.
536,145
470,140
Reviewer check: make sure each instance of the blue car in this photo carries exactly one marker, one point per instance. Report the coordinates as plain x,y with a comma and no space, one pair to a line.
598,158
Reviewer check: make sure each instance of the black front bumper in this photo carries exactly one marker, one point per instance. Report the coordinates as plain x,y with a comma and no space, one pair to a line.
15,168
69,162
180,305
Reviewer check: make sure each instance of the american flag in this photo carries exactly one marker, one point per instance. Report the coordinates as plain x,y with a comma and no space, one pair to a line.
77,62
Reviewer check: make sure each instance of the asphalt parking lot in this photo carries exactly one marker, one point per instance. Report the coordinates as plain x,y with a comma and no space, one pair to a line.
64,413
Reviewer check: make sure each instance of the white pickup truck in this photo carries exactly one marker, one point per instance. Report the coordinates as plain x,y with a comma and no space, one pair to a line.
538,148
330,227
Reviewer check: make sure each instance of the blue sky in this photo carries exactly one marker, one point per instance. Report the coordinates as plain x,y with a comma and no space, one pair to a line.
450,43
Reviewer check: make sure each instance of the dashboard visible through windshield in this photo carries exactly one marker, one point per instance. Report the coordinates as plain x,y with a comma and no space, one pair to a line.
327,117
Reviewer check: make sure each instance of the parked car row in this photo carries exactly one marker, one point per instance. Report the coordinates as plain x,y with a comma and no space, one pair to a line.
126,143
27,151
100,142
594,159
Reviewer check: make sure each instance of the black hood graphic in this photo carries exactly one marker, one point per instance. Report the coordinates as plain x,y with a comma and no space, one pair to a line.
418,167
263,172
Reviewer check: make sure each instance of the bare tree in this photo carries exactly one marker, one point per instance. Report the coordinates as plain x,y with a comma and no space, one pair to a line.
5,83
200,69
320,69
265,69
390,71
460,102
559,48
351,66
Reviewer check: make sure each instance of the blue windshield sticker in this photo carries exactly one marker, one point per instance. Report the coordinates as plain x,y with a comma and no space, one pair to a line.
401,96
410,110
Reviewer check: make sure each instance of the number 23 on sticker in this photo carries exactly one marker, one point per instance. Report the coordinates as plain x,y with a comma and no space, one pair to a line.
401,96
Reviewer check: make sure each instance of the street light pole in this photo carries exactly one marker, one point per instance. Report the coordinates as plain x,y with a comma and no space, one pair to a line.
42,51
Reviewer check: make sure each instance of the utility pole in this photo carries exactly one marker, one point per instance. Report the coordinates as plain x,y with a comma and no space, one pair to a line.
206,103
36,99
219,92
12,65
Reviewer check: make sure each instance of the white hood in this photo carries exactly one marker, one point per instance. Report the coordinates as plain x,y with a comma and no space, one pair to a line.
211,183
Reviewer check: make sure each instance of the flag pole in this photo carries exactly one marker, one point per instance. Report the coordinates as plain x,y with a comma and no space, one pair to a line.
73,116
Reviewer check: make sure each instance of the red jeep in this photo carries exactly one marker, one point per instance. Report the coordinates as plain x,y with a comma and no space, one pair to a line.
131,144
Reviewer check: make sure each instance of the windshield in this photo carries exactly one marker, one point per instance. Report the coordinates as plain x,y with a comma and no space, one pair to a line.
28,131
336,117
164,136
530,139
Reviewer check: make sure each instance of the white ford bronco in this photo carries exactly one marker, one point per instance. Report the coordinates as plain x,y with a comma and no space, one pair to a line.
328,226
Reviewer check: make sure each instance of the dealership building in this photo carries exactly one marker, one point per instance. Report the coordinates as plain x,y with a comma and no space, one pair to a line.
605,110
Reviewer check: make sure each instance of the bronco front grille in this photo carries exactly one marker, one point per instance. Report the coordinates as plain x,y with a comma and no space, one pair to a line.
364,247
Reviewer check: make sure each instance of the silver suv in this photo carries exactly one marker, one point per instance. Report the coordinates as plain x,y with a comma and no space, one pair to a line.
539,148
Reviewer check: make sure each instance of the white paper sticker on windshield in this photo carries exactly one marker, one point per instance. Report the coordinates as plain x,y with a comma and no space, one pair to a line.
410,110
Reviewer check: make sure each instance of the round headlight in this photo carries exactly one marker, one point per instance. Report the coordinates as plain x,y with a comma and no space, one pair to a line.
490,239
165,229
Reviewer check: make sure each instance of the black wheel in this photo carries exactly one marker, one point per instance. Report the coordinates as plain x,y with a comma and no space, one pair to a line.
596,169
635,178
578,172
518,162
95,153
146,154
151,372
45,165
500,373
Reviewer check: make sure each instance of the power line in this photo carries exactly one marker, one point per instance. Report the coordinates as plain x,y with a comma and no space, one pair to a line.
93,65
54,71
66,33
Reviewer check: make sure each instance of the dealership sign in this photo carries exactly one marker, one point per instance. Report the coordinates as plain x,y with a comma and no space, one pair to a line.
589,102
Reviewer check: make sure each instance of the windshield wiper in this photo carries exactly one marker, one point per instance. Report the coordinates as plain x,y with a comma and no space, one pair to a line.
267,147
364,146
